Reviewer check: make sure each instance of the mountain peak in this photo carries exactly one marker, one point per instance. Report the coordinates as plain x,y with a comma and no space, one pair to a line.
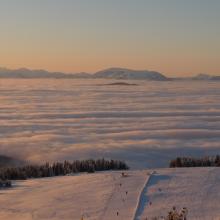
124,73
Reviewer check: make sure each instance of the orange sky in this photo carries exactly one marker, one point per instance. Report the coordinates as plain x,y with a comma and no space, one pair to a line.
176,39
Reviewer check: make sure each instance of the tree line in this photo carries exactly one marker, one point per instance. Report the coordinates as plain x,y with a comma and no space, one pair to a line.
60,169
213,161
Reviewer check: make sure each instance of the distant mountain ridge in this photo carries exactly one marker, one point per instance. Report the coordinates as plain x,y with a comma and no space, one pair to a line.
110,73
27,73
203,76
122,73
113,73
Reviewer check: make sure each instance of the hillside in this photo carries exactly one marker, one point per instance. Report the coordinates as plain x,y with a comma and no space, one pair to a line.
194,188
94,196
100,196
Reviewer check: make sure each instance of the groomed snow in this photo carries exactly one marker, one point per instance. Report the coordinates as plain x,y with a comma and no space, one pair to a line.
100,196
96,196
194,188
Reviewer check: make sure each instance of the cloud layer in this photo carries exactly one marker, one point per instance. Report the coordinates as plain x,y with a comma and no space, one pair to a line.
145,125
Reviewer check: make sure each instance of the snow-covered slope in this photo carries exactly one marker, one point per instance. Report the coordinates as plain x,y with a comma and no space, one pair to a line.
95,196
102,195
121,73
194,188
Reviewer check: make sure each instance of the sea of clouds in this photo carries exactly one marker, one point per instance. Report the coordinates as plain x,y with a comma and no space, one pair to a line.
145,125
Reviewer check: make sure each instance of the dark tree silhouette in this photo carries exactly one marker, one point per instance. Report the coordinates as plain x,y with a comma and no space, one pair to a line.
60,169
213,161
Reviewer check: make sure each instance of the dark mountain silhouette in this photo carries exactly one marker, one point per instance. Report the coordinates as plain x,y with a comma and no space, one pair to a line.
121,73
111,73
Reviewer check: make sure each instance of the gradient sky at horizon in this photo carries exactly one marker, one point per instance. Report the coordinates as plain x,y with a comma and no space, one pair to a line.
173,36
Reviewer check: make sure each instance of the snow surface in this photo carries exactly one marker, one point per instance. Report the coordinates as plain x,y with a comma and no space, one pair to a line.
194,188
100,196
95,196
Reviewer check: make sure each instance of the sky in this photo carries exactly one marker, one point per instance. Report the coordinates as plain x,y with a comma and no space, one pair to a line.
175,37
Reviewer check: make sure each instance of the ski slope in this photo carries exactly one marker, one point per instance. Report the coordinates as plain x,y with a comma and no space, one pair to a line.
102,196
194,188
94,196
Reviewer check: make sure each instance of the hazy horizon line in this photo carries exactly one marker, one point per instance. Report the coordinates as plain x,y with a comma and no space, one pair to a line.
107,68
